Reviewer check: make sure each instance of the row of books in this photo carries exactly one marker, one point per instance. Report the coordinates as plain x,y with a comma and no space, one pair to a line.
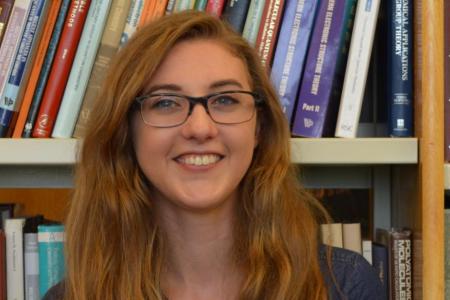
54,54
390,254
31,255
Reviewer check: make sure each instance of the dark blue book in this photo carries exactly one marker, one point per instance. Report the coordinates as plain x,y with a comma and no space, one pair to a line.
291,49
320,91
400,68
380,263
45,71
235,13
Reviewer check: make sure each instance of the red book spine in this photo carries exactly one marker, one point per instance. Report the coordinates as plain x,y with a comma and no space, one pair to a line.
215,7
268,30
60,71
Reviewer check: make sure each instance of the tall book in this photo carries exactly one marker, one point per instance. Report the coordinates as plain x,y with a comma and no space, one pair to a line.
160,8
132,22
380,263
45,70
108,47
351,237
399,244
60,71
253,20
215,7
318,101
170,7
81,69
51,256
5,11
268,30
11,39
290,52
201,4
332,234
400,72
14,258
11,98
2,265
37,67
184,5
447,81
235,13
31,257
357,67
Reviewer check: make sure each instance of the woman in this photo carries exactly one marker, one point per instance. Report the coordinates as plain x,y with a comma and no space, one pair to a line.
185,187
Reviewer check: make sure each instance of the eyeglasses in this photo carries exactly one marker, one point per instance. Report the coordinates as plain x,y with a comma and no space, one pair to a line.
170,110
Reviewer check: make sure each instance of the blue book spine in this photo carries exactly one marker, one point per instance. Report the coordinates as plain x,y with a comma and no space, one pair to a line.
290,53
45,71
318,101
400,62
9,101
380,263
235,13
51,256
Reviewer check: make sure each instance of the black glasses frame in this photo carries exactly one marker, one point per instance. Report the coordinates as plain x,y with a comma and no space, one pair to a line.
203,101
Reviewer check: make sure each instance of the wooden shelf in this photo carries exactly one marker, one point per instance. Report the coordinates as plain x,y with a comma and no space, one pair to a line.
325,151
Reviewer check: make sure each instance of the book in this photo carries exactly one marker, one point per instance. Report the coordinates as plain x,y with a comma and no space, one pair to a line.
81,69
31,257
357,67
290,52
133,17
235,13
215,7
351,237
14,258
108,47
380,262
399,244
51,256
36,69
447,82
332,234
61,67
6,212
251,26
11,97
268,30
160,8
11,40
201,4
400,72
367,250
170,7
46,68
181,5
5,10
318,99
447,252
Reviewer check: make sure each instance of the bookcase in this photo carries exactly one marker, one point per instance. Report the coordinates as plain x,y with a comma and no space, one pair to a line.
408,176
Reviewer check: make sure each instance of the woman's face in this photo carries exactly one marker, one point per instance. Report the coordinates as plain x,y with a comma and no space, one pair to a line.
196,166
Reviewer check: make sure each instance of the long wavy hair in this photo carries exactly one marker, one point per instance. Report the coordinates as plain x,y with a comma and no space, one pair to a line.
115,250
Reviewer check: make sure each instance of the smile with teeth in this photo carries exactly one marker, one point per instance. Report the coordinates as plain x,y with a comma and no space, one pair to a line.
199,160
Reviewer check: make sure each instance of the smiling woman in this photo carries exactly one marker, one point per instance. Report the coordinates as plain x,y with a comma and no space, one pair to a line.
185,189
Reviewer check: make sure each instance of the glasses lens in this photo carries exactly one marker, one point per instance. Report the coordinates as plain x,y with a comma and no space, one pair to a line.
231,107
164,110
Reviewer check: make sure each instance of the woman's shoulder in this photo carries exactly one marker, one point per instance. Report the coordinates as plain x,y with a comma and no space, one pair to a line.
55,293
354,277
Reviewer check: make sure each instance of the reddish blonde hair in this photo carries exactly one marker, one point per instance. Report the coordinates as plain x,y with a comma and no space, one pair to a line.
114,248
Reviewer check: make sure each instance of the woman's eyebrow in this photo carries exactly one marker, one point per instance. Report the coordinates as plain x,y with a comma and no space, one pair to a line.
225,82
167,86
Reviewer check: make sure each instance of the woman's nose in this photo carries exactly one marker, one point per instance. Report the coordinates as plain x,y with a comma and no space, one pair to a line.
199,125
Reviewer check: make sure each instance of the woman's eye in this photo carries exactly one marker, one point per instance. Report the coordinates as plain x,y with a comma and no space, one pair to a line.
164,104
224,101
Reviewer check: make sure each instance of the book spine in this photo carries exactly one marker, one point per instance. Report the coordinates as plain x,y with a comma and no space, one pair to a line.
380,262
366,246
351,237
108,48
447,82
215,7
170,7
316,103
201,5
2,265
268,30
400,62
160,8
62,64
11,97
11,40
251,26
292,46
36,69
132,20
5,11
31,266
332,234
46,68
14,258
357,67
51,256
81,69
184,5
235,13
401,262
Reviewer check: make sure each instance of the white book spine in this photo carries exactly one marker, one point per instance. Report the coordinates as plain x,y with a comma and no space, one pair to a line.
132,20
254,16
31,266
81,69
14,259
367,250
351,237
332,234
357,67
